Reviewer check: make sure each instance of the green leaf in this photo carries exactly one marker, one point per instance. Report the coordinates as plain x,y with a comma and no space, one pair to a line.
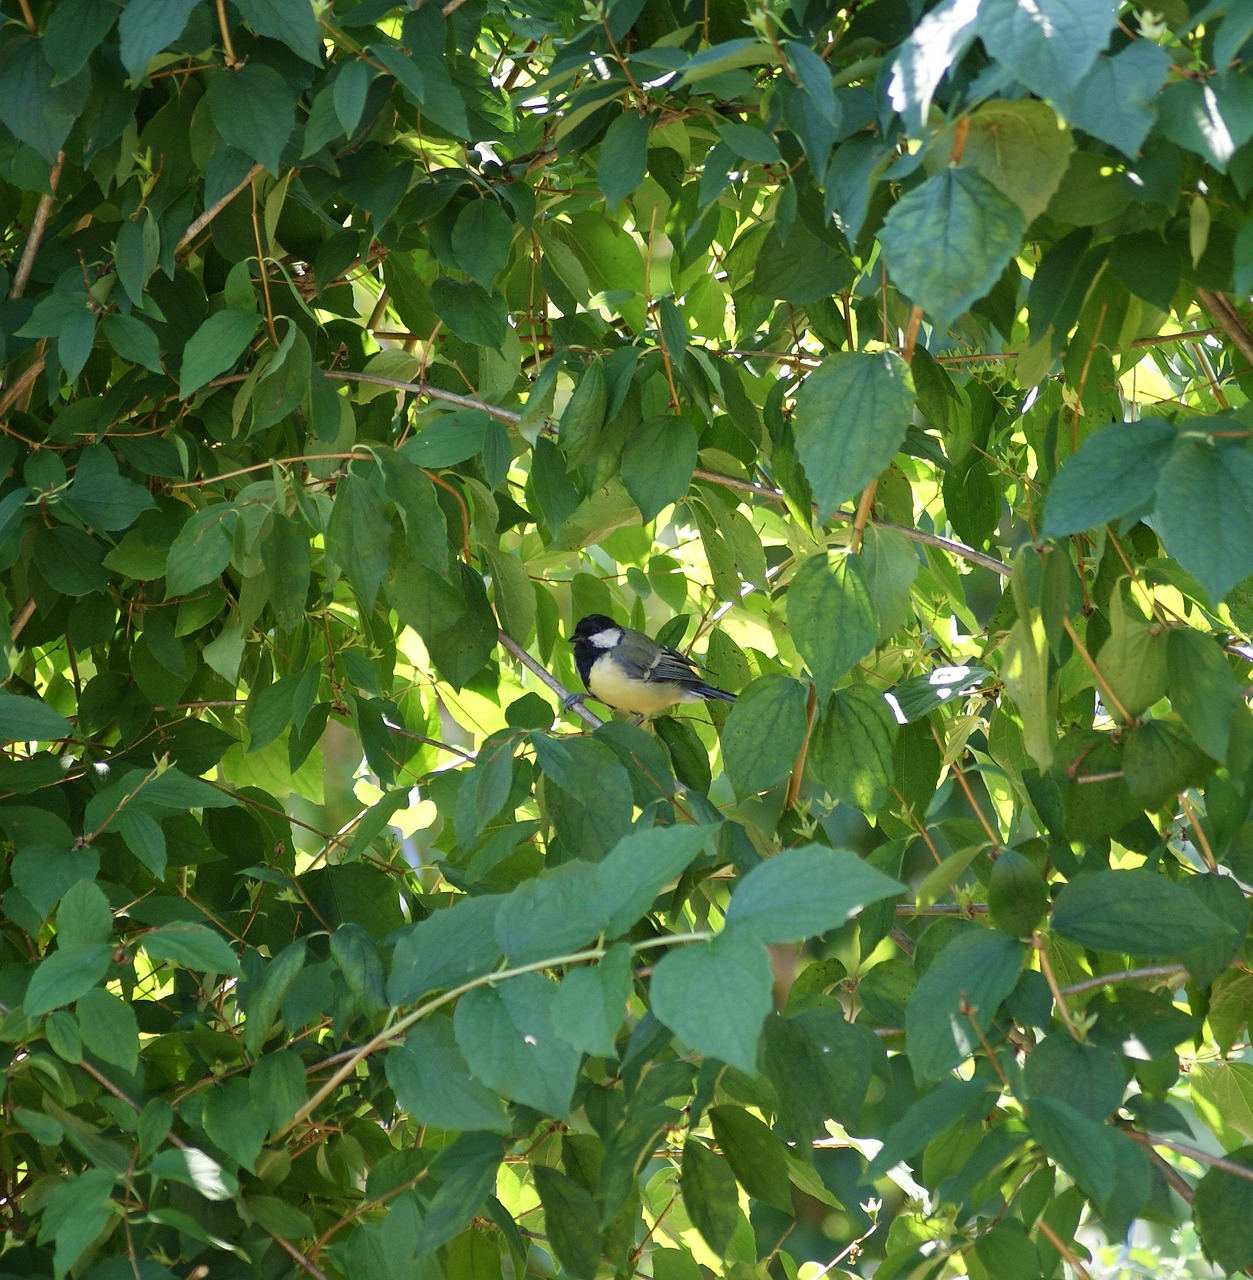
33,107
448,948
269,992
851,417
214,348
806,891
1021,148
957,998
135,253
1136,913
1204,513
359,536
714,996
657,463
1115,470
291,21
831,616
640,865
76,1211
851,748
1081,1146
471,312
571,1221
433,1084
193,946
709,1194
925,57
757,1157
133,341
926,1118
623,156
1161,760
769,714
233,1123
1203,688
24,719
1214,119
109,1028
65,975
254,109
71,561
1224,1214
947,242
285,554
107,500
1115,100
481,239
555,913
84,915
510,1043
1050,45
73,31
148,26
1087,1077
467,1170
591,1003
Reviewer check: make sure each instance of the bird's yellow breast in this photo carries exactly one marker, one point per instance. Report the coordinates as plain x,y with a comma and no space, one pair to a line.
608,682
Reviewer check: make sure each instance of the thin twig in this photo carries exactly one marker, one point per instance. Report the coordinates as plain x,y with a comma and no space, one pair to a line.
1046,968
39,224
1201,838
1063,1248
1229,320
864,505
1127,975
199,224
1202,1157
425,389
305,1263
21,618
1107,693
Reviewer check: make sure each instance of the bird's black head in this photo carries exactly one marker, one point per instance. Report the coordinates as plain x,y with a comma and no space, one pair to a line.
592,625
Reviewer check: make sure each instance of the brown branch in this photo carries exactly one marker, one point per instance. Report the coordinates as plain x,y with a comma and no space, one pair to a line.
305,1263
425,389
21,618
199,224
1063,1248
1127,975
39,224
1229,320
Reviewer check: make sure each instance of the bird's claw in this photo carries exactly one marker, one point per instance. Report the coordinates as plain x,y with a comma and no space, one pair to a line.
574,700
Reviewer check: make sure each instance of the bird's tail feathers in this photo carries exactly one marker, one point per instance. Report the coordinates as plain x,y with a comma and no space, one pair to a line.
708,692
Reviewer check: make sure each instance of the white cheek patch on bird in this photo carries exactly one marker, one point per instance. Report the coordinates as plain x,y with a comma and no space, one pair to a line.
608,639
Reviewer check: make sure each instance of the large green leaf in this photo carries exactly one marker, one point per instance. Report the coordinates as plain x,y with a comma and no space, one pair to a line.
1204,513
832,616
802,892
1137,913
715,995
851,418
947,241
956,1000
510,1042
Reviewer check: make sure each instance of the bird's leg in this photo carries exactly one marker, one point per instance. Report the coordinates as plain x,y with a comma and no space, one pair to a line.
574,700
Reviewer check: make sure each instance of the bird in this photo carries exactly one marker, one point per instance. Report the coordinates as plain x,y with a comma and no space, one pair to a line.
629,671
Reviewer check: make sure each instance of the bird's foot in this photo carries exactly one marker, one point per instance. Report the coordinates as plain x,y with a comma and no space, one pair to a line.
574,700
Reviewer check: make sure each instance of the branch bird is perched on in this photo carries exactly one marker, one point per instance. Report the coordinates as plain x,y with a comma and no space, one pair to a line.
627,670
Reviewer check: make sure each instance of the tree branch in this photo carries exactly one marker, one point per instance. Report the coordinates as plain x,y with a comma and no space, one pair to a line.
38,226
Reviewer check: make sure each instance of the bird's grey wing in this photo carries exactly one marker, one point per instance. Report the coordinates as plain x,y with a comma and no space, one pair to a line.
673,667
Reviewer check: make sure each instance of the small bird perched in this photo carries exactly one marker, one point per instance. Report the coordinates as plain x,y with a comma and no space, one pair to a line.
631,672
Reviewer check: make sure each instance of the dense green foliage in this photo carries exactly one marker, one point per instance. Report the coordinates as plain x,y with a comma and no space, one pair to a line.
893,355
